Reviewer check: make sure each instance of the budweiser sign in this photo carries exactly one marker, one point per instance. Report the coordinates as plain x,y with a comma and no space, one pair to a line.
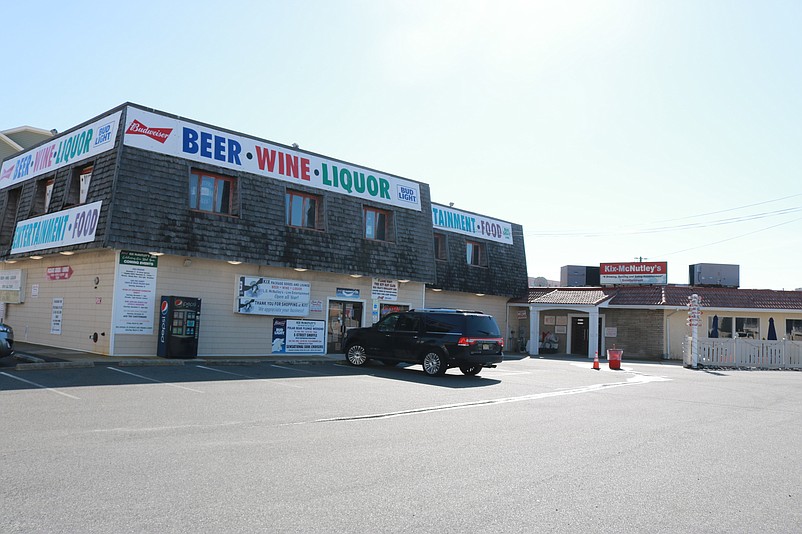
159,134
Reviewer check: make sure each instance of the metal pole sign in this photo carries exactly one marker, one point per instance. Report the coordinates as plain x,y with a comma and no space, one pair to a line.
694,320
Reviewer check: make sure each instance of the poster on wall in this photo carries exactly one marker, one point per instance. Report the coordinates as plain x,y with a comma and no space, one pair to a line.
294,336
384,289
135,293
258,295
56,315
12,286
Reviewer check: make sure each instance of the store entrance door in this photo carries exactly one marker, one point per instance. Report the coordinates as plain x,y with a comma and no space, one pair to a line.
579,335
343,315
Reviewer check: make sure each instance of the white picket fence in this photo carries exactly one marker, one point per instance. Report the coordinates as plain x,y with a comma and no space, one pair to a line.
742,352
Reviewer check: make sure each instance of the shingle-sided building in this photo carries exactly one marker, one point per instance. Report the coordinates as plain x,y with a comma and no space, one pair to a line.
285,249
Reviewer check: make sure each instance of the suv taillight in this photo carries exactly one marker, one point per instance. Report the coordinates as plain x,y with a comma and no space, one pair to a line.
468,341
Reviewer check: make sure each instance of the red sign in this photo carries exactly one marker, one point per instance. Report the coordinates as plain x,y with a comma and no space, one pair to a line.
634,273
159,134
62,272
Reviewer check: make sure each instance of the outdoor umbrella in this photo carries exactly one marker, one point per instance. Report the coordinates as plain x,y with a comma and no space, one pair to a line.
714,330
772,331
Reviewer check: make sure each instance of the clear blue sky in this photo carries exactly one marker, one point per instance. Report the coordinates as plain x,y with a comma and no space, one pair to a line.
668,130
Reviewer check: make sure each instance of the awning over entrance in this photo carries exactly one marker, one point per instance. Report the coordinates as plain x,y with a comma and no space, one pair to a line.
583,300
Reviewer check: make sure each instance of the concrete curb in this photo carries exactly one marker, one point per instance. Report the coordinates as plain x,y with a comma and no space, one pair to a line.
34,363
27,358
52,365
150,363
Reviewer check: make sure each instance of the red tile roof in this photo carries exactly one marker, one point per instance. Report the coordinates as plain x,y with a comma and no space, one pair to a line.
670,296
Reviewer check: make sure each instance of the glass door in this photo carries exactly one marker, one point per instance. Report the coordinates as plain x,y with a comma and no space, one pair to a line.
343,315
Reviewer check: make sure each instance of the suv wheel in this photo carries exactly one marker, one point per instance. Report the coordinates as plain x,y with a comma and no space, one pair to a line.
470,370
434,364
356,355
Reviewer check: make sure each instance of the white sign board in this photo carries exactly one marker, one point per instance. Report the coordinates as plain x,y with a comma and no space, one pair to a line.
267,296
69,227
453,220
56,316
384,289
63,150
295,336
135,293
196,142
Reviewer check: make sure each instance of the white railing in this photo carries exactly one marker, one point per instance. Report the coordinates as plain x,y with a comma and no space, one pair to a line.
741,352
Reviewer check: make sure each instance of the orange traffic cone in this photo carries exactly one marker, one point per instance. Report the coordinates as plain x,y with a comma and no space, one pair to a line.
596,361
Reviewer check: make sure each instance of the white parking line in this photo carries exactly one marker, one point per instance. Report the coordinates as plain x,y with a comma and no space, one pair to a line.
298,370
40,386
277,381
636,380
154,380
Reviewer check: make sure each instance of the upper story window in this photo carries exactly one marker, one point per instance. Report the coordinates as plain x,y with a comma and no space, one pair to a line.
303,210
79,185
476,254
42,196
377,224
8,222
440,247
212,193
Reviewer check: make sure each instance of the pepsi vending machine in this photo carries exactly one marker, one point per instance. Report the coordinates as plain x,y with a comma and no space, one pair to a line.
179,322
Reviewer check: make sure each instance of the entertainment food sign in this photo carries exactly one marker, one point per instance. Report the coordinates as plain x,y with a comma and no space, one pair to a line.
635,273
451,220
67,227
196,142
63,150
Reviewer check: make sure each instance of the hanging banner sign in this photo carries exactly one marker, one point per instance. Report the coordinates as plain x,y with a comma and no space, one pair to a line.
265,296
193,141
294,336
470,224
62,228
61,151
635,273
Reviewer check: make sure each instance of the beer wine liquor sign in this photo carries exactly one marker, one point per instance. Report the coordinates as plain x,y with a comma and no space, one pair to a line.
196,142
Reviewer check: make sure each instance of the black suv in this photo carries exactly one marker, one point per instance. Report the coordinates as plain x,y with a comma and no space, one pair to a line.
435,338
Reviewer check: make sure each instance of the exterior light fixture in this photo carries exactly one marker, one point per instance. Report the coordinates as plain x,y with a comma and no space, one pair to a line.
355,276
299,269
67,253
156,253
480,294
403,280
36,257
233,262
436,289
10,261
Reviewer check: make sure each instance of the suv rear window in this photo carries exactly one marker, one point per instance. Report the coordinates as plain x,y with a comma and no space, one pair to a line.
482,325
440,323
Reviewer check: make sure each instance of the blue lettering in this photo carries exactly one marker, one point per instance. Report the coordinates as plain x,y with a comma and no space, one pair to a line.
190,141
234,150
206,145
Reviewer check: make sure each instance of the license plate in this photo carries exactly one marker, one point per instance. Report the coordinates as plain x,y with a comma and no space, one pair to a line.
485,346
